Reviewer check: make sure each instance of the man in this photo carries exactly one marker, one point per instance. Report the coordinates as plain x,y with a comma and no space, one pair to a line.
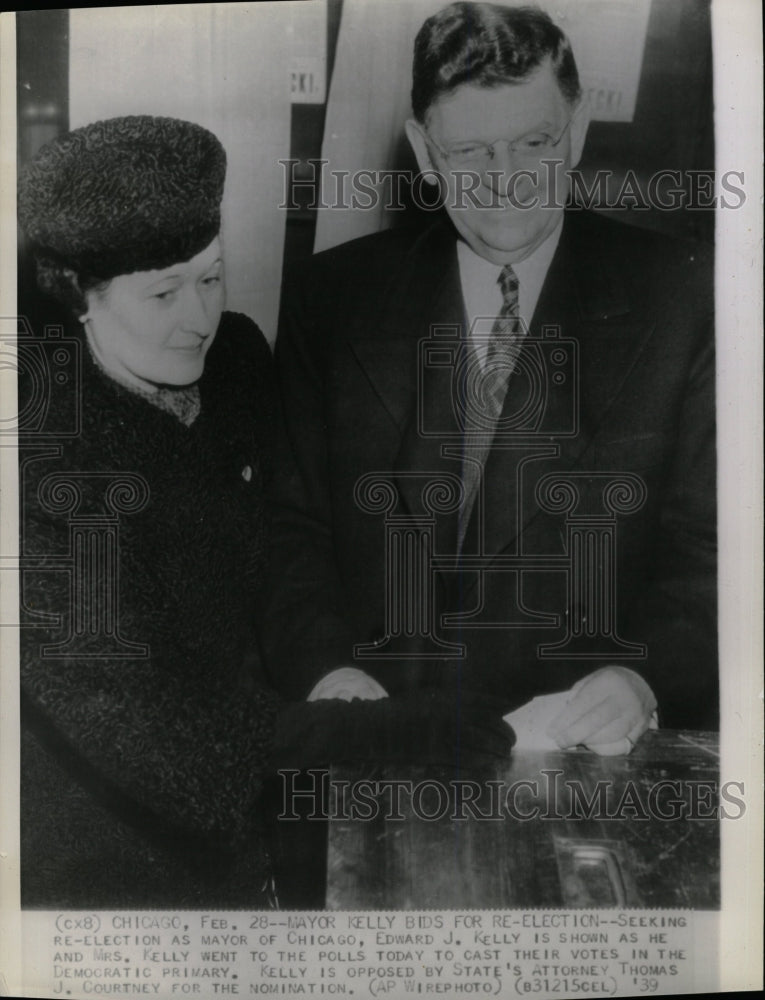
498,466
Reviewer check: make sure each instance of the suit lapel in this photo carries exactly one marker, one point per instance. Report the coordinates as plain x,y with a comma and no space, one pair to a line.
424,306
586,300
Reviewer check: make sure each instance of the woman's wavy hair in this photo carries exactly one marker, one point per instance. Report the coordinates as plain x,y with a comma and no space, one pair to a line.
67,287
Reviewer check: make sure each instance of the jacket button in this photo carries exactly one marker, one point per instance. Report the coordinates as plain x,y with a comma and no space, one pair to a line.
247,473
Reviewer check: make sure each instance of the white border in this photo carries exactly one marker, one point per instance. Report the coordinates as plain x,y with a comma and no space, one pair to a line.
737,35
10,931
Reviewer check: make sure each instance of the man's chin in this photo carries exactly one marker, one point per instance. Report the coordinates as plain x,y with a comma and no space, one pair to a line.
501,249
503,244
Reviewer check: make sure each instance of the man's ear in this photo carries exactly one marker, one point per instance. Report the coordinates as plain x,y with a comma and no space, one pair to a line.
579,125
416,137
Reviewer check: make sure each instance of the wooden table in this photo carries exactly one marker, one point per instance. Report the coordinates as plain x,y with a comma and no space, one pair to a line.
575,850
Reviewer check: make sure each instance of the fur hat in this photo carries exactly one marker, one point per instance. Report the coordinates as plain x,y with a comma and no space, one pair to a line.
123,195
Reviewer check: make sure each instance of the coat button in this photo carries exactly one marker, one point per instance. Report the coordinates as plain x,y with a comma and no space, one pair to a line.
247,473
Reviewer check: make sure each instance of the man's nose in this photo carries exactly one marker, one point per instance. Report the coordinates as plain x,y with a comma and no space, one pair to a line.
507,176
504,157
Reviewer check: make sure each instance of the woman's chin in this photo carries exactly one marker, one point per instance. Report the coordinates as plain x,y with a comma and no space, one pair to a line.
181,376
181,383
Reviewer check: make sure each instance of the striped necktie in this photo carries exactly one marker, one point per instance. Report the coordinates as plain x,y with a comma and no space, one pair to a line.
485,389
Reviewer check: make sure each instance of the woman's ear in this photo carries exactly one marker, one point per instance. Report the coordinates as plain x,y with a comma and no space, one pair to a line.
88,296
84,298
416,137
76,296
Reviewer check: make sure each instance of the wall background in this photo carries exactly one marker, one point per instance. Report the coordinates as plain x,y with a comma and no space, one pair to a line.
227,66
645,66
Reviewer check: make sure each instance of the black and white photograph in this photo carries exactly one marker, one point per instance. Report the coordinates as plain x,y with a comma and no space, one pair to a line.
381,508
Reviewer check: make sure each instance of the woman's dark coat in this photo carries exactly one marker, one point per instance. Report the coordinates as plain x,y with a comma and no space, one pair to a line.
144,744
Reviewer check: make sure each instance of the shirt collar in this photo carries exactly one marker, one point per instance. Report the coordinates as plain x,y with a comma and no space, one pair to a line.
479,276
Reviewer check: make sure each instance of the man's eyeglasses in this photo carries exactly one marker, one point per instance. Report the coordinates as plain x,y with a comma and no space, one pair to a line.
530,148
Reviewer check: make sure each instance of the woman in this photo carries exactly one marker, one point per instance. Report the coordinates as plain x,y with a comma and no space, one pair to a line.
147,726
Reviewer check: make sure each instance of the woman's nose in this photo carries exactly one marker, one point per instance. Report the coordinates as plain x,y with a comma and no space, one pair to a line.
195,317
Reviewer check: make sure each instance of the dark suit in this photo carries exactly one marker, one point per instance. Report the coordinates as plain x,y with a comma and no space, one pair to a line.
624,425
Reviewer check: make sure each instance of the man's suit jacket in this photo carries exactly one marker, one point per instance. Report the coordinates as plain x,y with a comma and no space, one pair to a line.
593,542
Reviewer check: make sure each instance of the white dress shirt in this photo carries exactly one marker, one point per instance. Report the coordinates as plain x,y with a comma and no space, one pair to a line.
483,296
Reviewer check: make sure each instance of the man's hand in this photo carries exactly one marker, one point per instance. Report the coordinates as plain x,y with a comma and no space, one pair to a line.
347,683
608,712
